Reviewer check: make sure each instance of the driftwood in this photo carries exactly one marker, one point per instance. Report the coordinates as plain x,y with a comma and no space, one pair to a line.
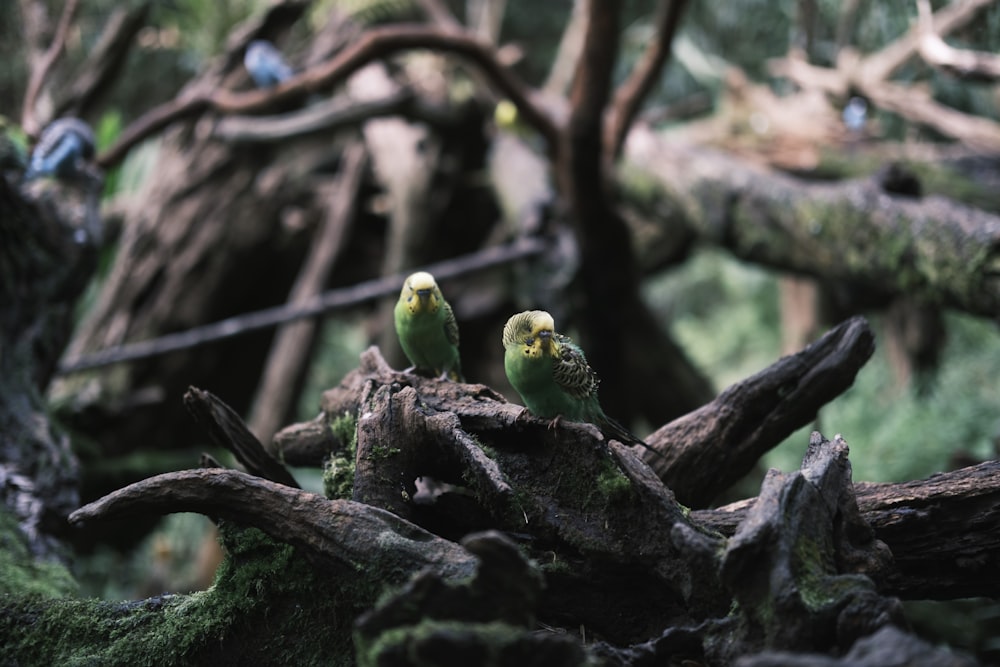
706,451
808,567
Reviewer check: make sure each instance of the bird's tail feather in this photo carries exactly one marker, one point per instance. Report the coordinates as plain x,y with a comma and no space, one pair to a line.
612,429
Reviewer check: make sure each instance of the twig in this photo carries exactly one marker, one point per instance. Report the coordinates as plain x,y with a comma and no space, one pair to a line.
630,95
323,303
331,113
882,64
966,64
106,61
570,44
28,121
227,430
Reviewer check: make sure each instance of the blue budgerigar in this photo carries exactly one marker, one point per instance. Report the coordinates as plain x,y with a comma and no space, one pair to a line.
63,149
266,65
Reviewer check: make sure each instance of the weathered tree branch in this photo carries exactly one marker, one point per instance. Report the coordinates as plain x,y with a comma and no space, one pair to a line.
342,530
102,68
942,531
708,450
852,233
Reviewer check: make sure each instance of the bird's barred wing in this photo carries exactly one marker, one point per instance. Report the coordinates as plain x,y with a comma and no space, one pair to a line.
450,324
571,370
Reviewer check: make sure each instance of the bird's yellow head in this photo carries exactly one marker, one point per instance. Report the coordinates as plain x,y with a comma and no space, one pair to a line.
420,293
533,331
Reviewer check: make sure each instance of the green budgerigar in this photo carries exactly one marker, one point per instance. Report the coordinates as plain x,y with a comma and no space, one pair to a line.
552,376
426,326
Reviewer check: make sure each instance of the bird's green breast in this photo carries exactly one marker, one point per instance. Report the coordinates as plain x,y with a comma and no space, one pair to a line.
533,380
422,337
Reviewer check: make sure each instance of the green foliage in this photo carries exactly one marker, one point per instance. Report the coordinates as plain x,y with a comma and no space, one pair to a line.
366,12
723,312
204,26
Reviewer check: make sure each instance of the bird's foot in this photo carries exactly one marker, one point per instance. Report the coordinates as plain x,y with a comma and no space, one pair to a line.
555,422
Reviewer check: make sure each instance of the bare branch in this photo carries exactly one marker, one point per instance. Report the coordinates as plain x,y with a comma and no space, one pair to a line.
152,122
29,122
561,73
329,114
630,95
105,62
882,64
974,65
372,45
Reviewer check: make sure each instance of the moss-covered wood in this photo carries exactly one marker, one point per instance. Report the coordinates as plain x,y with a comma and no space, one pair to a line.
854,233
473,528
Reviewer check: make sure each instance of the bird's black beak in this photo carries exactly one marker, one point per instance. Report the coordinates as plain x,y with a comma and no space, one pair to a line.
546,339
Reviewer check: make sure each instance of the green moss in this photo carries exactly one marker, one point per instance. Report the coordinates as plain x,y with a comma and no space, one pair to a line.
482,644
818,587
20,574
345,428
382,452
266,598
612,484
338,473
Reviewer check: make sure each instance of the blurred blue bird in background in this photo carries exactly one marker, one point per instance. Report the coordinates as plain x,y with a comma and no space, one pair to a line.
265,63
63,149
855,114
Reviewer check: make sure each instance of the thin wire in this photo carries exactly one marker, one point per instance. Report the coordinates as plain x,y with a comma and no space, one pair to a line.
322,303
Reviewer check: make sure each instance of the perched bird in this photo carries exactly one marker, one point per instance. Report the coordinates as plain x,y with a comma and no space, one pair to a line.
552,376
63,149
426,326
266,65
